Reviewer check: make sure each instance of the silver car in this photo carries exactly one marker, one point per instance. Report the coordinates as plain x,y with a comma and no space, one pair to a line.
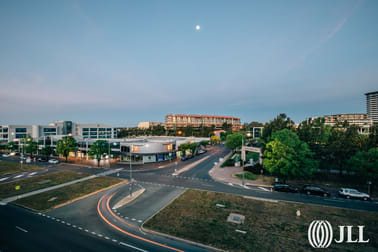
353,194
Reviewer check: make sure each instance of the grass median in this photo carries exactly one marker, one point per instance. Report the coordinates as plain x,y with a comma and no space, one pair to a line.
7,167
269,226
36,183
50,199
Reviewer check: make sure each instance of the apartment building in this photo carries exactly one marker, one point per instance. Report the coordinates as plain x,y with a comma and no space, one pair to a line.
372,106
175,121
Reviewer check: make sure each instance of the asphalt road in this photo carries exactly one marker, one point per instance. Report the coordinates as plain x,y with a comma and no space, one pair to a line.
22,230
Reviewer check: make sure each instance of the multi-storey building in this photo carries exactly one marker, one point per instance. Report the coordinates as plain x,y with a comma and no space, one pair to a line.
10,133
372,106
176,121
146,125
362,120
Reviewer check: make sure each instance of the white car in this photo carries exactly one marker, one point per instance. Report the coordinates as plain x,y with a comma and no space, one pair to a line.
353,194
53,161
6,155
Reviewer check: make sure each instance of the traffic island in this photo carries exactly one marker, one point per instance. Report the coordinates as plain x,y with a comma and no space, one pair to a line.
201,216
59,197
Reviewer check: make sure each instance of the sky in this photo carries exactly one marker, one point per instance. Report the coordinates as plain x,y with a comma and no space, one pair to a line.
122,62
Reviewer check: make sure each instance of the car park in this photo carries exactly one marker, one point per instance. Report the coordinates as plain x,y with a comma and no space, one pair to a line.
5,155
353,194
280,187
53,161
315,190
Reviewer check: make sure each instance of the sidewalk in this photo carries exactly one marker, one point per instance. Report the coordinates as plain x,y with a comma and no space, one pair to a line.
10,199
225,175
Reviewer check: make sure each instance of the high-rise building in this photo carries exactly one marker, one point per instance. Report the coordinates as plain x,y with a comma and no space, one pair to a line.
372,105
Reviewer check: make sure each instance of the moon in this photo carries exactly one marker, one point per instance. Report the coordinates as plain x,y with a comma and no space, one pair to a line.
198,27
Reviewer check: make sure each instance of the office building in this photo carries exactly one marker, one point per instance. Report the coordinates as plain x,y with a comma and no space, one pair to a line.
372,106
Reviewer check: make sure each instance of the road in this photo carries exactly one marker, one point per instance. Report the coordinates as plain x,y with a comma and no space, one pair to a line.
21,230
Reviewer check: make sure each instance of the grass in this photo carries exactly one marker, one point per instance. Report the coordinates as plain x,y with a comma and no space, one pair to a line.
44,202
7,167
247,175
270,226
32,184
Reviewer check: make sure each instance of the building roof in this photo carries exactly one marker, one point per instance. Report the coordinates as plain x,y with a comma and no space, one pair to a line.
212,116
375,92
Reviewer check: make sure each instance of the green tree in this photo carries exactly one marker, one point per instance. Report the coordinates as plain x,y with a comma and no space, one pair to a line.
365,164
342,144
12,146
158,130
31,147
188,146
226,126
204,143
279,123
234,141
66,145
47,151
98,149
287,156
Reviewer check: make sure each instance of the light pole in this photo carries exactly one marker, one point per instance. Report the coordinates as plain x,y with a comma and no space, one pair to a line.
242,161
131,173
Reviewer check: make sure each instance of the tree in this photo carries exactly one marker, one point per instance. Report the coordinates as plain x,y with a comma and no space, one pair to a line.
47,151
158,130
98,149
234,141
215,140
341,145
66,145
12,146
287,156
31,147
188,146
226,126
204,143
279,123
365,164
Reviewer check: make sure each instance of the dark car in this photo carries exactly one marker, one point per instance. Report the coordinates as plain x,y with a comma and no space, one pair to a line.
284,188
42,159
184,158
190,156
315,190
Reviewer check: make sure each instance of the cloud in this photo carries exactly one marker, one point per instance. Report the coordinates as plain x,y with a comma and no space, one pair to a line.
336,29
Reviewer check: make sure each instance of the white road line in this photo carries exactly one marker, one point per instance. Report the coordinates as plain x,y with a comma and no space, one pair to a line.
230,184
139,220
33,173
107,238
127,218
53,218
68,224
23,230
133,219
63,222
2,179
130,246
19,176
86,230
264,189
74,226
99,235
114,240
94,233
80,228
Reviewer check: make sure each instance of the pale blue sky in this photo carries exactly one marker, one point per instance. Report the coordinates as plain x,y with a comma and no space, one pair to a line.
121,62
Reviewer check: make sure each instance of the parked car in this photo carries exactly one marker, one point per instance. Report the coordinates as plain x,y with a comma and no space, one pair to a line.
184,158
53,161
202,151
6,155
190,156
42,159
308,189
353,194
284,188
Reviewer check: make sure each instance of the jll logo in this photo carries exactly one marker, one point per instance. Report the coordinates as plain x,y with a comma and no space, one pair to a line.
320,234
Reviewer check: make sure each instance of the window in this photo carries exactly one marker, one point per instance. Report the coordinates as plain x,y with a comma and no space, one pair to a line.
5,130
20,135
85,129
19,130
50,130
93,129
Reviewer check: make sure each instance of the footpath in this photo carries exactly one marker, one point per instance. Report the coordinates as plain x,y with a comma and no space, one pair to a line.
10,199
225,175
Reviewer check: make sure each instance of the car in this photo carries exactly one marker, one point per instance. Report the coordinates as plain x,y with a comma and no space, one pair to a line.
285,188
353,194
202,151
42,159
184,158
6,155
315,190
53,161
190,156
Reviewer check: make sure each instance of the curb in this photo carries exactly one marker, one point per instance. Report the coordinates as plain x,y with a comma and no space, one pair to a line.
129,200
